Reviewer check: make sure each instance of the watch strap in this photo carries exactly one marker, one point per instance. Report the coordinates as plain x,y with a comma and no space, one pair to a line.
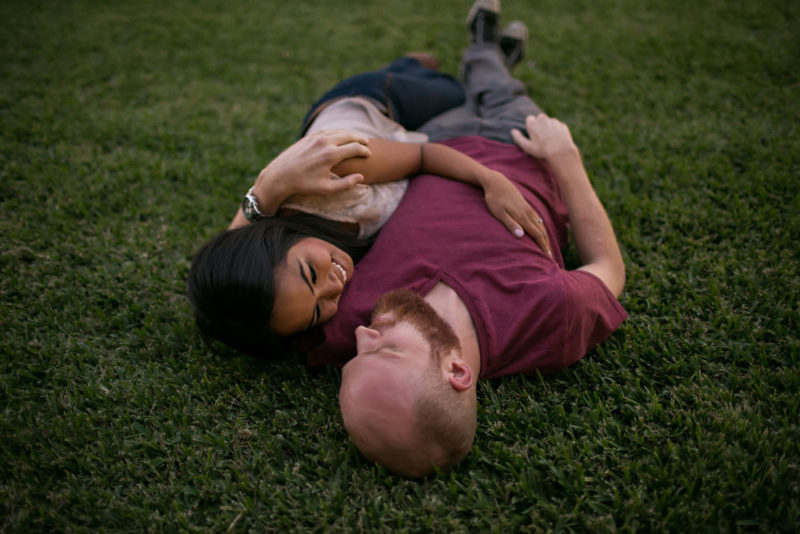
250,207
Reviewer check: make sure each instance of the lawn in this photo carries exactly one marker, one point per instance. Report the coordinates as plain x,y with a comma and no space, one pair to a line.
130,130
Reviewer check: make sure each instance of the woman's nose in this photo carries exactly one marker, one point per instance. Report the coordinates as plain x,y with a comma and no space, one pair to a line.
332,287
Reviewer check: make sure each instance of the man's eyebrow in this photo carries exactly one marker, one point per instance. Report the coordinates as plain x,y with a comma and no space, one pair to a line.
310,288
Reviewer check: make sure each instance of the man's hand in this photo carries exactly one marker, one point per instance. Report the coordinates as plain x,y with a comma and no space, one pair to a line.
305,168
508,206
594,236
547,139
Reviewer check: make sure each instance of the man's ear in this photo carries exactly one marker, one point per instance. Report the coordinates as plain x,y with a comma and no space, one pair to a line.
459,374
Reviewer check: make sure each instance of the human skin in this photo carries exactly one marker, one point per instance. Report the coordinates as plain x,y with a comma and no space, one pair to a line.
550,139
299,170
382,341
305,167
381,385
392,160
299,304
308,285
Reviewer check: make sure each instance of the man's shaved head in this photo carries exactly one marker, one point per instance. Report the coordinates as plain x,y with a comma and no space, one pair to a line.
397,402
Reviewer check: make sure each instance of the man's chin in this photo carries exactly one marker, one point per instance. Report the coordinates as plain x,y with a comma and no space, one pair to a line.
385,318
406,305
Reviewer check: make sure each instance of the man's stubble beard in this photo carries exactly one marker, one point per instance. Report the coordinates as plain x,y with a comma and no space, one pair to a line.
405,305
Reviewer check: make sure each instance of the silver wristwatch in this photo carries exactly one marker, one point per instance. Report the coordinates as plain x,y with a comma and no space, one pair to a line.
250,207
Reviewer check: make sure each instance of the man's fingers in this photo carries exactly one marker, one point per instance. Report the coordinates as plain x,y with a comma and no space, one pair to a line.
352,150
523,142
518,137
531,119
337,184
343,137
335,146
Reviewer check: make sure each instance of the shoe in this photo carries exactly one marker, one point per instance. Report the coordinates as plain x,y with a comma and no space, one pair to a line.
482,21
424,59
514,43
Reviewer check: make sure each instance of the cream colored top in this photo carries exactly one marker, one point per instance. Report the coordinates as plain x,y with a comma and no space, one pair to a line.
369,206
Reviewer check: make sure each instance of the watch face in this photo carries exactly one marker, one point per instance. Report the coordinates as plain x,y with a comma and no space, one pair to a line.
249,208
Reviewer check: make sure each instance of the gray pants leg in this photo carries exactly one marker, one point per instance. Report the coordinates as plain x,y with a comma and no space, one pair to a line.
496,102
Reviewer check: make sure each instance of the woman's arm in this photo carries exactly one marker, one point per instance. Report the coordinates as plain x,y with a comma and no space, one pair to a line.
391,160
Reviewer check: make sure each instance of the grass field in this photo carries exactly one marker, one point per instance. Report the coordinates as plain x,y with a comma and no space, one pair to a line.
130,130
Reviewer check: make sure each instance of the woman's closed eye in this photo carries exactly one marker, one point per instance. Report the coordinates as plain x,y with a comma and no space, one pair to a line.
311,282
317,311
314,316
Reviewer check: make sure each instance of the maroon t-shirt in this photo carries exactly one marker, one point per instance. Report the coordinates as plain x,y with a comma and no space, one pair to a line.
530,313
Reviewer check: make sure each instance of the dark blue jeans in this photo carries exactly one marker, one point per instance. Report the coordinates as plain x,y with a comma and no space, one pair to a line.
411,93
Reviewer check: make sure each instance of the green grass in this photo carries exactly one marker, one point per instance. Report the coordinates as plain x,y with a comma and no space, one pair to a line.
128,133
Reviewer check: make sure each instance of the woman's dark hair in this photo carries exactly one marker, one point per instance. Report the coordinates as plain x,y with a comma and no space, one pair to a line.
231,281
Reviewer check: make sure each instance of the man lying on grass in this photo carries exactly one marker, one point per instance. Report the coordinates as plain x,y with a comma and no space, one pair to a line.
473,301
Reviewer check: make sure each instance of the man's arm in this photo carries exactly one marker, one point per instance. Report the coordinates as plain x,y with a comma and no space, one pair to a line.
306,167
550,139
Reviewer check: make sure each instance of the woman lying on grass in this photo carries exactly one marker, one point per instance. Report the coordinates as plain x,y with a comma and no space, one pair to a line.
282,265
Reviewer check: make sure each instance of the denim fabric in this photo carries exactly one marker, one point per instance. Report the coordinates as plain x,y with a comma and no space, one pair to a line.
411,93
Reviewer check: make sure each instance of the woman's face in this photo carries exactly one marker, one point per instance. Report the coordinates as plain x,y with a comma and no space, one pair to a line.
308,285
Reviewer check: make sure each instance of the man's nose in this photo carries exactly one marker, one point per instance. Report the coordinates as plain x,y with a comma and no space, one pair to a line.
367,339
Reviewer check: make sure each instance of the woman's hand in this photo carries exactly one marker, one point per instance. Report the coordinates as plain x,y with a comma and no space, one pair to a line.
305,168
547,139
508,206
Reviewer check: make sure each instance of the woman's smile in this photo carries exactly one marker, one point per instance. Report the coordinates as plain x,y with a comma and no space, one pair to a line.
341,270
308,285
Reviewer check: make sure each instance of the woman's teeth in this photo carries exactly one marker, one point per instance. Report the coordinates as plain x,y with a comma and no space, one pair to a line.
341,270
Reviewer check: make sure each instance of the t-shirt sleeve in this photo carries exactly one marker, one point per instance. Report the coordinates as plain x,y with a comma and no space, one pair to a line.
593,313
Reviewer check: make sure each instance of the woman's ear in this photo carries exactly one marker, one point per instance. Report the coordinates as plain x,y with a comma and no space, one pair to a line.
459,374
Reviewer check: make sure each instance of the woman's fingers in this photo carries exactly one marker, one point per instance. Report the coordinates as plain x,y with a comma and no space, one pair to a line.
542,239
531,224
